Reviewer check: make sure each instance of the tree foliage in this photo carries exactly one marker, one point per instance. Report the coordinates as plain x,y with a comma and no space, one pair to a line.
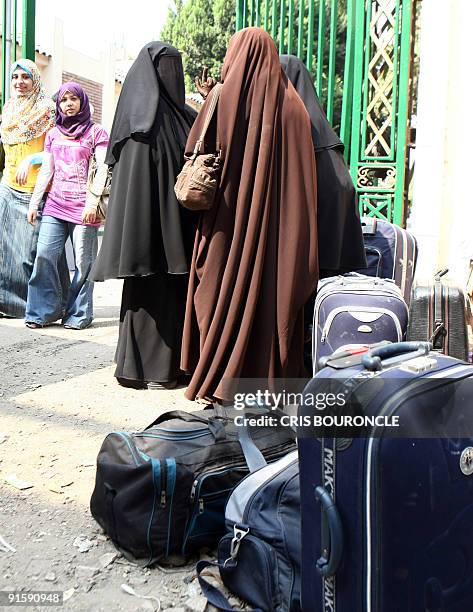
200,29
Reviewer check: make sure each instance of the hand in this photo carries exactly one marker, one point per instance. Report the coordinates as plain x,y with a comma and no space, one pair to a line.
32,214
22,172
205,83
89,215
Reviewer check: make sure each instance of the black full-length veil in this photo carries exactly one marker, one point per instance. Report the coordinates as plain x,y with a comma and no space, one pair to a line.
147,231
148,236
341,246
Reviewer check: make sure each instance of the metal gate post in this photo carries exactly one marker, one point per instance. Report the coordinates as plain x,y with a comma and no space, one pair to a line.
28,37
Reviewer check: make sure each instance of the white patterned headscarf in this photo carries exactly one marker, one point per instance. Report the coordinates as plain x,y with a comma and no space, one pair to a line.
26,117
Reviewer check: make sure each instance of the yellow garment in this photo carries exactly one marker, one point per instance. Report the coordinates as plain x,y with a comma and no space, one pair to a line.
14,155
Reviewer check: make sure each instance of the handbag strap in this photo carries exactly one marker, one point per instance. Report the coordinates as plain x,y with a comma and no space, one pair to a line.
215,93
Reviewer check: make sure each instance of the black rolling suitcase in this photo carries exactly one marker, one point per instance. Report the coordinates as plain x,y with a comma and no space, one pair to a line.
391,252
387,523
438,314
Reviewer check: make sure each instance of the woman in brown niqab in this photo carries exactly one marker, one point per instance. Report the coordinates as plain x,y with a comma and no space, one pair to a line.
255,256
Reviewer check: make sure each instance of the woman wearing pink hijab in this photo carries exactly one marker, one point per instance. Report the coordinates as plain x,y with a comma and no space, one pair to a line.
69,211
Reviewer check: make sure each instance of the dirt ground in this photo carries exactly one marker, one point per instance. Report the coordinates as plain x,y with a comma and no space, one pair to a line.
58,400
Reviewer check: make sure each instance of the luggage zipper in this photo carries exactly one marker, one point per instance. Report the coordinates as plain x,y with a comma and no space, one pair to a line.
276,452
172,436
374,283
323,295
389,410
373,309
257,488
405,263
367,283
195,491
215,472
253,481
372,249
167,431
137,455
156,471
170,486
284,532
200,510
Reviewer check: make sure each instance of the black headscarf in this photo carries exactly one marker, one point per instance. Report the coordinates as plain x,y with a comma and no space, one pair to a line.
323,134
147,231
341,247
155,74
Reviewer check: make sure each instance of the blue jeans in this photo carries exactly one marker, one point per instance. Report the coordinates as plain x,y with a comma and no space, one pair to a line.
45,300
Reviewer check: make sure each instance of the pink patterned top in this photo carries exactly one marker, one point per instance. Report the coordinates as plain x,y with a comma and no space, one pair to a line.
66,199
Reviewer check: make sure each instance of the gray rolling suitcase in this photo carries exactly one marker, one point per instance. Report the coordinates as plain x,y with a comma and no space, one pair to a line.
438,314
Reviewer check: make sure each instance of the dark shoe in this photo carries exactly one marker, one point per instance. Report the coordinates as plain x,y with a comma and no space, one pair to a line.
159,386
33,325
76,328
131,384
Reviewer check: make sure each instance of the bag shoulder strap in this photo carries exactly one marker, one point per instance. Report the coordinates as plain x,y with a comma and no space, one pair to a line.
214,596
253,456
215,93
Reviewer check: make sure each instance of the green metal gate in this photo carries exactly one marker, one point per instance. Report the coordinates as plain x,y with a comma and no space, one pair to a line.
10,27
359,53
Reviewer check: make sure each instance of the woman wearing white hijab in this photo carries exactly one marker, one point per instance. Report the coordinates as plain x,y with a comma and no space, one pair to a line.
26,117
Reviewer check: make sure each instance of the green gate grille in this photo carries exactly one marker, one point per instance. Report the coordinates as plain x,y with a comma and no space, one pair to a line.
380,103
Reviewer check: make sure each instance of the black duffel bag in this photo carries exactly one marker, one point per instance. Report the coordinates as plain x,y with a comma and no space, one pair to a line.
163,491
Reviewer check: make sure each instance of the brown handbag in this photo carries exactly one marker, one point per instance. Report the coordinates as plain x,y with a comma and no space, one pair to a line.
197,183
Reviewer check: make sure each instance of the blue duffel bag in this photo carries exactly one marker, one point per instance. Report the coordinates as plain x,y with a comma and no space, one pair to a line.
259,557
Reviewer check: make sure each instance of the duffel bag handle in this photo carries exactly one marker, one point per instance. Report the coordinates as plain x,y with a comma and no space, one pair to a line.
369,225
178,414
332,535
215,424
253,456
373,359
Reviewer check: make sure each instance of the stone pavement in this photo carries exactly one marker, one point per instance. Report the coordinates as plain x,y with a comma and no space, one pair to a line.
58,400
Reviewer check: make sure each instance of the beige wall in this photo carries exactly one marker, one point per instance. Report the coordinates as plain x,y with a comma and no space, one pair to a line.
99,70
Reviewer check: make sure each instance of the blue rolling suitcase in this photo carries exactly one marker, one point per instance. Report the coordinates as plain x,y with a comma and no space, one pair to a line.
391,252
387,523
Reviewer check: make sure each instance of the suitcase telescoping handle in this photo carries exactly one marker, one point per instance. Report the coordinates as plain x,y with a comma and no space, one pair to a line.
332,535
404,350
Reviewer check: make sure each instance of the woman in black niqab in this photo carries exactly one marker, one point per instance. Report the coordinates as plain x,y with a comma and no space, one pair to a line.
148,236
341,247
